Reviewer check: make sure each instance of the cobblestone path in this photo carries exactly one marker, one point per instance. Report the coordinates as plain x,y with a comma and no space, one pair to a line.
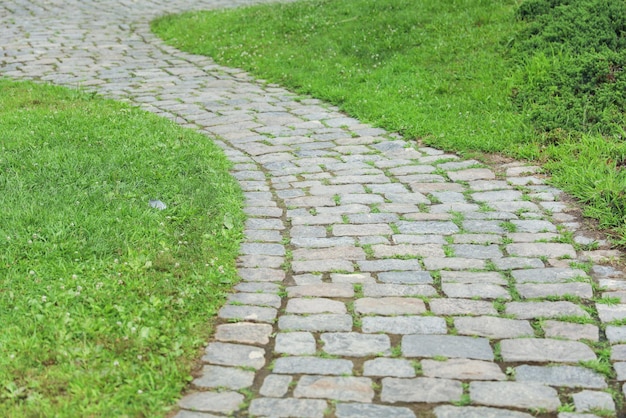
379,278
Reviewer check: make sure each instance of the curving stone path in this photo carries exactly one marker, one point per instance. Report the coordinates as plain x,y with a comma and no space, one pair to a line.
379,278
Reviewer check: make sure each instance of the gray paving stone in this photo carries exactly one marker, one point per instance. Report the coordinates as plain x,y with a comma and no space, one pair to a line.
227,354
531,291
357,389
404,325
388,265
453,263
337,290
483,226
372,218
353,344
446,346
248,313
275,386
295,343
302,231
262,249
447,411
587,401
497,196
462,369
533,226
477,239
476,251
514,206
548,275
354,410
538,249
565,376
191,414
618,352
390,306
471,174
322,266
316,323
545,351
608,313
493,327
427,227
420,389
491,277
476,290
312,365
244,332
337,252
620,370
616,334
515,263
515,395
258,299
315,305
423,250
406,277
225,377
418,239
261,275
531,310
449,307
222,402
388,367
262,261
570,331
289,407
307,279
387,289
352,278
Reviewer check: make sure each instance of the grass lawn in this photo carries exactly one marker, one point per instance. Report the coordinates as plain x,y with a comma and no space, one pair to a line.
445,72
104,300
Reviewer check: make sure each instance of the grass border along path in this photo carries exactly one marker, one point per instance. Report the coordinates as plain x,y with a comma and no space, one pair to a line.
448,73
104,299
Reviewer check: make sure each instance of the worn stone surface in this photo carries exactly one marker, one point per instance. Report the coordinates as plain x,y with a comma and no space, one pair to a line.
352,344
567,376
355,410
390,306
404,325
318,322
224,402
462,369
248,313
289,407
388,367
275,386
312,365
315,305
448,411
530,310
227,377
446,346
545,350
420,389
493,327
295,343
587,401
228,354
446,306
244,332
514,394
571,331
356,389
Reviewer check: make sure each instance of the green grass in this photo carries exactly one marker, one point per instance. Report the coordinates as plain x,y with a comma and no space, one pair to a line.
105,301
537,79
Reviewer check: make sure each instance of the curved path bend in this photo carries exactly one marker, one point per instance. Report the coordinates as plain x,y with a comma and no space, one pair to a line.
379,279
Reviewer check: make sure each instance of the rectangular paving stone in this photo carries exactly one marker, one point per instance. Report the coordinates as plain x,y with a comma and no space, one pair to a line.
453,263
570,331
295,343
531,291
533,226
471,174
248,313
462,369
224,377
539,249
492,277
448,411
333,290
341,388
616,334
315,305
352,278
361,230
447,346
258,299
289,407
354,344
316,323
260,261
563,376
258,287
476,251
322,266
497,196
608,313
312,365
493,327
515,395
388,265
244,332
588,400
404,325
261,274
317,242
390,306
220,402
545,350
427,227
420,389
548,275
406,277
275,386
227,354
424,250
447,307
475,290
517,263
361,410
532,310
483,226
262,249
388,367
343,210
372,218
389,289
339,252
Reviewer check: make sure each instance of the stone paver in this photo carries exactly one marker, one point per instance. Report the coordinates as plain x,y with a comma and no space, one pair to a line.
344,254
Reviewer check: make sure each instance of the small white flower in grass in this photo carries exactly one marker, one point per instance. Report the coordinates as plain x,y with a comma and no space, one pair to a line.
116,363
119,324
139,357
74,276
177,265
140,391
32,272
79,288
44,298
220,269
